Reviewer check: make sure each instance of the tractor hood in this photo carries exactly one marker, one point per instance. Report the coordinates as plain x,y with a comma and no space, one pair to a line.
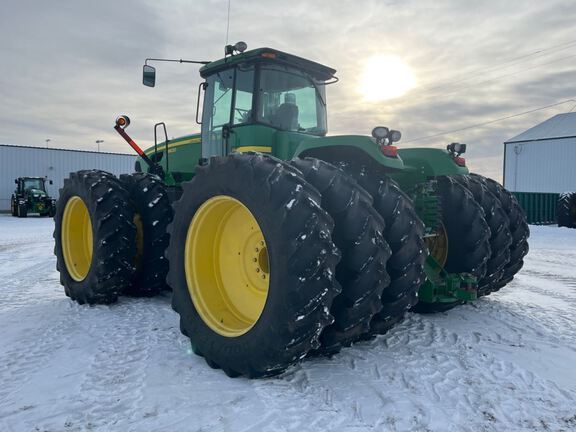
36,192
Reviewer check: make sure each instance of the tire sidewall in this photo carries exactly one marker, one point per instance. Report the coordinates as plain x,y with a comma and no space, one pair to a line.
248,346
65,195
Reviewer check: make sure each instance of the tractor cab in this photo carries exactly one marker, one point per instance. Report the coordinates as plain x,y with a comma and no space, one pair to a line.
266,88
34,185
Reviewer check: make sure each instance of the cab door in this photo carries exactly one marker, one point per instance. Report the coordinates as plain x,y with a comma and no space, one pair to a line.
228,104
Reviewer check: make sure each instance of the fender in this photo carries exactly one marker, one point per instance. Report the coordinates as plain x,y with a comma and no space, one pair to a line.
347,148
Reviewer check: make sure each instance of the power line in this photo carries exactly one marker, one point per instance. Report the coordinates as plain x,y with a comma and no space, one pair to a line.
497,78
489,122
509,63
455,89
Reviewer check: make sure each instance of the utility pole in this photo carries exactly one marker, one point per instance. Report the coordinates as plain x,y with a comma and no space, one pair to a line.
98,142
47,141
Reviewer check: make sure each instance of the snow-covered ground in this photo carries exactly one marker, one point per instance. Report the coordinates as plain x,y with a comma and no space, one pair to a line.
504,363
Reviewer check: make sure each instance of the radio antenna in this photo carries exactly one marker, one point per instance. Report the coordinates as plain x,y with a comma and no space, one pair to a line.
228,23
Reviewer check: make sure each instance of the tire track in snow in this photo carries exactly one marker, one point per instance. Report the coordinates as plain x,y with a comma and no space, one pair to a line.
25,277
112,389
28,355
417,364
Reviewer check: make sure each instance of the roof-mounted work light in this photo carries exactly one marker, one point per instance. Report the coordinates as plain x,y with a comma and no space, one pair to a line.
238,47
456,148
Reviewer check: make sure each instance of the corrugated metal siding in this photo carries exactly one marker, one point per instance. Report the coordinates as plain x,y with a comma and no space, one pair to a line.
16,161
541,166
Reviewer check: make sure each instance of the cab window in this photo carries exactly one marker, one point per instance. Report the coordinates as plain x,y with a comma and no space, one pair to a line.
291,100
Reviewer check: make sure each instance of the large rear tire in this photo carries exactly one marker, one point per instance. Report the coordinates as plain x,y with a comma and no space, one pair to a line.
358,233
500,236
466,234
94,237
252,264
518,228
152,214
566,210
404,232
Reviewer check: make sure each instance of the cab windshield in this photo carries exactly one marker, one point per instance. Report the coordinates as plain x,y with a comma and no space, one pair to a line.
291,100
33,184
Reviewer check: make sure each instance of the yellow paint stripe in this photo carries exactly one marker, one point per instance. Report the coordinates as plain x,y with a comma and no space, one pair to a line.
176,144
262,149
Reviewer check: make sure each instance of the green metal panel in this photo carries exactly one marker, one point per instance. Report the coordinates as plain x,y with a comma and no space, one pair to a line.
182,158
540,208
422,164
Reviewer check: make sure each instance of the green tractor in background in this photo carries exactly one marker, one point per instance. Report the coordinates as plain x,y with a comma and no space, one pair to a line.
277,240
30,196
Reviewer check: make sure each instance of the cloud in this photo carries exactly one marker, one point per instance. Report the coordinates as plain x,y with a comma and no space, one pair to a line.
69,67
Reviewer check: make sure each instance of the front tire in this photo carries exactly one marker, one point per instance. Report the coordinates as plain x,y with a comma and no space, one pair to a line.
94,237
252,264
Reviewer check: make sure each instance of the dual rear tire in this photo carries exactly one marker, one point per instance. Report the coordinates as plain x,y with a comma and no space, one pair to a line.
110,236
326,267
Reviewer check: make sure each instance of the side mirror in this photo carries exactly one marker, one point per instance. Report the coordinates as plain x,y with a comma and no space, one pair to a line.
16,181
50,182
149,76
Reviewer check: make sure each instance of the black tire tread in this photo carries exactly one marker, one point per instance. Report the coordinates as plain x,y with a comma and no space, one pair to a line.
500,236
113,232
149,199
464,221
309,283
358,233
566,209
518,229
404,233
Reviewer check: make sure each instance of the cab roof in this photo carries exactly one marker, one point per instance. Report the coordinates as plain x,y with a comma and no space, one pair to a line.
269,55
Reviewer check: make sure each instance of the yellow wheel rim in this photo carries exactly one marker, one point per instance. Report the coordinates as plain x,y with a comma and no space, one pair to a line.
77,238
227,267
438,245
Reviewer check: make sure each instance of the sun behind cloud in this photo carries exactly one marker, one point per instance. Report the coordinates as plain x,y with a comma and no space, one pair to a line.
386,77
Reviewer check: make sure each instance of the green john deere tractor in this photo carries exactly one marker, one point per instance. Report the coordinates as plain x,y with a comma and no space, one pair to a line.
277,240
30,196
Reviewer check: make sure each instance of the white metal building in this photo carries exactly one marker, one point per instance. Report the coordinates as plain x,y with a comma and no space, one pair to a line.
55,164
543,159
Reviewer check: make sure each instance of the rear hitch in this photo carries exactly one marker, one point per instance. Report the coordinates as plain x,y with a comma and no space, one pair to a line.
443,287
122,123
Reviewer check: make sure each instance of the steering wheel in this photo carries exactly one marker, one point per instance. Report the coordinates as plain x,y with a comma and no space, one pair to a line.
244,114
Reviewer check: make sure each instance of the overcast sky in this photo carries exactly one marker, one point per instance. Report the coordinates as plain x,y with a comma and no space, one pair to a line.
68,68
